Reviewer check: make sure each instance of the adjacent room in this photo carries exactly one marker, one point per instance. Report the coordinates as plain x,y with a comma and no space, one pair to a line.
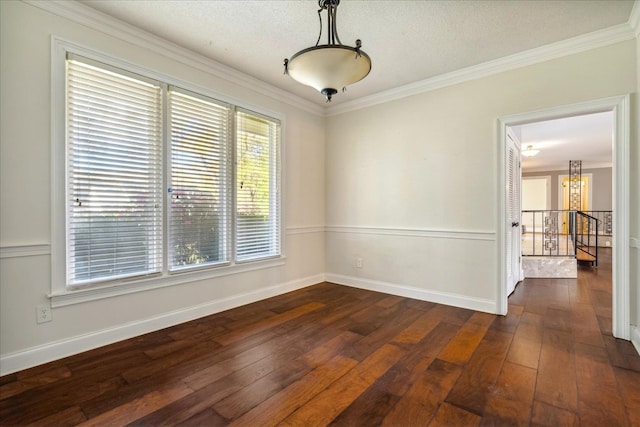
262,213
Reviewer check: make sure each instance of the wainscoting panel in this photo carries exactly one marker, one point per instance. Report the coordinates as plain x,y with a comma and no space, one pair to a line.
445,266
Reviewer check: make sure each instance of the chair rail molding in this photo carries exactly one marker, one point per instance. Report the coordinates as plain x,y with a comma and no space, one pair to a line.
19,251
415,232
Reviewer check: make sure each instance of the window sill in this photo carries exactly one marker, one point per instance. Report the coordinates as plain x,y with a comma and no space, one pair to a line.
71,297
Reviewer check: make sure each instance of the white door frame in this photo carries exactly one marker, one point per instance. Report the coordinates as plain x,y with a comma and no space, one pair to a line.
517,271
620,106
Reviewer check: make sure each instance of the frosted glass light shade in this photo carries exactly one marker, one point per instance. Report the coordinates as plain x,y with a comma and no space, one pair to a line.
329,68
530,152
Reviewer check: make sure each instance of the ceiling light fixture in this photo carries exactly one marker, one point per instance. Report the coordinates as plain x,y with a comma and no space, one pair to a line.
332,66
530,152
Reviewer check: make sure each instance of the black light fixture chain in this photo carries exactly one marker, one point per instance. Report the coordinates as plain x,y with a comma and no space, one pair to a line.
320,19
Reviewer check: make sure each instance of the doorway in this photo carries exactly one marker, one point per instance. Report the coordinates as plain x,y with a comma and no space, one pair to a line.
620,107
563,196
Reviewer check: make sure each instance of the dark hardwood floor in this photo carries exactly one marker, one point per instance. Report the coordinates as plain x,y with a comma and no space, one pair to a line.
334,355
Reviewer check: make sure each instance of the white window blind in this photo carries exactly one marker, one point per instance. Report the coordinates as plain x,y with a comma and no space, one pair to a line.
198,189
257,186
114,174
132,143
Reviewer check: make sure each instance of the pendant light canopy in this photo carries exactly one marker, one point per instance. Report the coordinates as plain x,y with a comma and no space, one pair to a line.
332,66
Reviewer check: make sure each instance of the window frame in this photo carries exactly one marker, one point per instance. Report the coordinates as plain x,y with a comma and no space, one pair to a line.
61,294
273,186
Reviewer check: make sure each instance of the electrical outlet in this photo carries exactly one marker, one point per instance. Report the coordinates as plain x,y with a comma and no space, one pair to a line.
43,313
358,262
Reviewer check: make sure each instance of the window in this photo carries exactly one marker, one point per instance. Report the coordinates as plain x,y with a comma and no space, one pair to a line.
162,180
199,184
257,201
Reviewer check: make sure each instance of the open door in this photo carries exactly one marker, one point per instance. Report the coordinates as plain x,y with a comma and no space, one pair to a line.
513,229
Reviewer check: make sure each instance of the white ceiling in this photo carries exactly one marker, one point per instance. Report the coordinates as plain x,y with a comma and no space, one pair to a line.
588,138
408,41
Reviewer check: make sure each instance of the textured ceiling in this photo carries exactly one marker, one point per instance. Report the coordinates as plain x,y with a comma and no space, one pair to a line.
408,41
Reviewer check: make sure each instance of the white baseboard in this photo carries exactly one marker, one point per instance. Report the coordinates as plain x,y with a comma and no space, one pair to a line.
477,304
34,356
635,337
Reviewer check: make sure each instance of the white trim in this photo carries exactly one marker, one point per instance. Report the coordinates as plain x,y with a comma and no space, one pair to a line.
60,295
634,243
582,43
24,251
634,18
635,338
456,300
34,356
61,46
412,232
621,306
620,105
89,17
84,15
305,229
61,298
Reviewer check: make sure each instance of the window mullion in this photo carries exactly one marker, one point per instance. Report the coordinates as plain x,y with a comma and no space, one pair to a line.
232,174
166,183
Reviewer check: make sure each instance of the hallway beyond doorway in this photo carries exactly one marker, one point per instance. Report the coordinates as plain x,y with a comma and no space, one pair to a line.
564,333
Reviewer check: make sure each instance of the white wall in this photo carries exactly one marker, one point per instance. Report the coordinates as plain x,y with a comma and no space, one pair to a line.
534,194
428,163
25,216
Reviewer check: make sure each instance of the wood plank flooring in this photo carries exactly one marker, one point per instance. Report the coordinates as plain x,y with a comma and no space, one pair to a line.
334,355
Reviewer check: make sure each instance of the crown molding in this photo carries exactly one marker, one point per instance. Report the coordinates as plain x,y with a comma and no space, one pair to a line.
634,18
582,43
84,15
